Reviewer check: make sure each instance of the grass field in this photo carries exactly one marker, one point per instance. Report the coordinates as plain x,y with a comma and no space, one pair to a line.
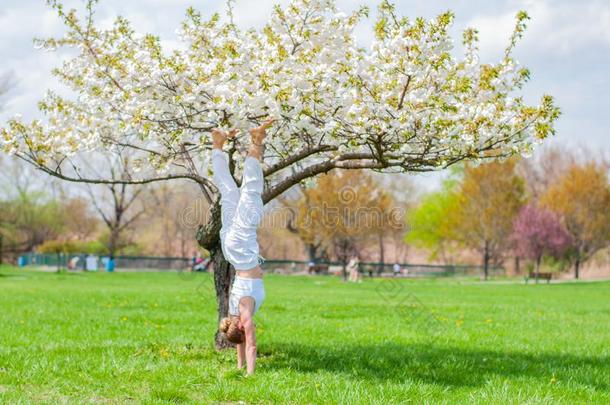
146,338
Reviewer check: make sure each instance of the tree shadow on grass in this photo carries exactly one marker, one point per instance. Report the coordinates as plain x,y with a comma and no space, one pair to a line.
448,366
6,275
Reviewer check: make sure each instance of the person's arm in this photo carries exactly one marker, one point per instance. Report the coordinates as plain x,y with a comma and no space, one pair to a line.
250,335
241,355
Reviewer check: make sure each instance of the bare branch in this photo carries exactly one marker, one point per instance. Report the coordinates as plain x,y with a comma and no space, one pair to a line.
59,175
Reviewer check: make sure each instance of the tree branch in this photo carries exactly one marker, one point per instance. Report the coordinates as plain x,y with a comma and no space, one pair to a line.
59,175
404,92
302,154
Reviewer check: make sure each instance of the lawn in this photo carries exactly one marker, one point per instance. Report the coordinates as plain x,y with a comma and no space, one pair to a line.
133,338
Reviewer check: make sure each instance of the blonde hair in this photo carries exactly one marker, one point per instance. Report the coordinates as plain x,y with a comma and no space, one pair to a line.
230,328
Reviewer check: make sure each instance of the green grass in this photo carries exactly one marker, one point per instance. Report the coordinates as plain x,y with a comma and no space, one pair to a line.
146,338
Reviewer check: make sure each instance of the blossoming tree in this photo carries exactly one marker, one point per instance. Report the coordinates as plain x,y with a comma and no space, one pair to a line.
538,232
404,104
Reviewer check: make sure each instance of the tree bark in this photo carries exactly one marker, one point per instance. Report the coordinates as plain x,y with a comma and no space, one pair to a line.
224,274
381,253
538,259
208,237
486,261
312,252
113,241
577,267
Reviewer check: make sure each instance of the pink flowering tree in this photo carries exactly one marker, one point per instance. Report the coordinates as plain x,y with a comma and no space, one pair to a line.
537,232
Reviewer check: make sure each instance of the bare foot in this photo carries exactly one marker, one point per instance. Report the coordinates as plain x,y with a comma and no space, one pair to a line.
220,137
257,136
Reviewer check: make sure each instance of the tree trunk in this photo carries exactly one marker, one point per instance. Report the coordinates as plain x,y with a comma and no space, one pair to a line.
208,237
224,274
538,259
312,251
486,261
577,267
1,247
517,265
381,253
113,241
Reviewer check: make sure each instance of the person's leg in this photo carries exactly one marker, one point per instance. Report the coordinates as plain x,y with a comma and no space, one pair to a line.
250,204
229,193
241,240
252,182
241,243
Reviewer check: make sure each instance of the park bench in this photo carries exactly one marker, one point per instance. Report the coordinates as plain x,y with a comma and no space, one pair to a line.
541,276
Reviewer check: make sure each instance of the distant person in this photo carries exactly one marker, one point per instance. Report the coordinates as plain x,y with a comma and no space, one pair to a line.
396,269
73,263
352,267
110,264
201,264
194,260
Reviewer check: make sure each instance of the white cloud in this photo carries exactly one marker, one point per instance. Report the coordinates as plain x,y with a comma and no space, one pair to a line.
558,27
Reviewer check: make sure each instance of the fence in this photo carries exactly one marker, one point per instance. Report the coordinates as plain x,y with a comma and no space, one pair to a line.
384,269
133,263
148,263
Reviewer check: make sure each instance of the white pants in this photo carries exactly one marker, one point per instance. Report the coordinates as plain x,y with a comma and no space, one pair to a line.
241,212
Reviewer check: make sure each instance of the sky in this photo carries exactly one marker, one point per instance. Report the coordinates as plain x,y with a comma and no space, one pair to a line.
566,47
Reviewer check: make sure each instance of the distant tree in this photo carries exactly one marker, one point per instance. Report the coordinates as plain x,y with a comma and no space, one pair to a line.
278,237
542,169
582,199
79,222
117,203
345,212
29,219
172,214
404,195
431,224
387,222
295,205
489,198
538,232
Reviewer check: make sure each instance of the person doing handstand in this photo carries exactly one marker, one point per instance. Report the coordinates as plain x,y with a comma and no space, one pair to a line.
241,212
